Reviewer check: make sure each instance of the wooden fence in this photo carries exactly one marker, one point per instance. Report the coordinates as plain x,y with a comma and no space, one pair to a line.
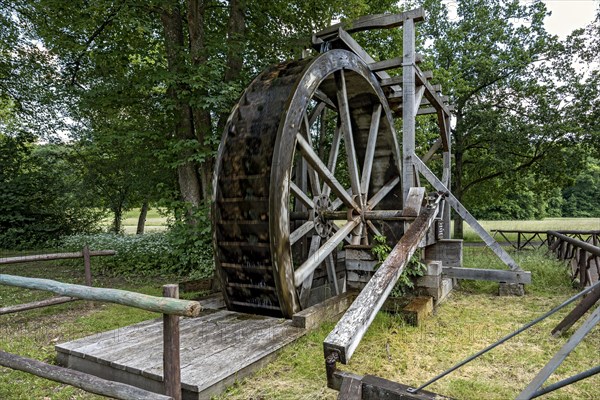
584,257
86,254
169,305
521,239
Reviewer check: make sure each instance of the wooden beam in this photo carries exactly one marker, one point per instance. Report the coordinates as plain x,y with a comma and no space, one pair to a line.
377,21
580,309
495,275
312,317
463,212
347,334
171,358
351,389
36,304
89,383
56,256
145,302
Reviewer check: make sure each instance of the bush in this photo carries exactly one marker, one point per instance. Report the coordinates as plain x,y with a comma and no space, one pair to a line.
148,254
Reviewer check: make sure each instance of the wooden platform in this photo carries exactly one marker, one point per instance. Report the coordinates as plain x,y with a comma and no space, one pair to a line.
216,349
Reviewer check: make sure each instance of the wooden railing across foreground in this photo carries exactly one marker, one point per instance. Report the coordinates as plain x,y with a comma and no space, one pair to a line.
86,254
170,306
584,257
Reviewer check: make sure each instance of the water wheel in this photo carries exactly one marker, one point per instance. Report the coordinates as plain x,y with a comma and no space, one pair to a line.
309,162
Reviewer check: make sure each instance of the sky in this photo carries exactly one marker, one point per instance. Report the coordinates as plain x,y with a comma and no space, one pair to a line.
568,15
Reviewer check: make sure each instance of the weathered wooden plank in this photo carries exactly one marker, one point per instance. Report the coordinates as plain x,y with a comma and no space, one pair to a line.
331,308
346,336
150,303
495,275
351,389
384,65
36,304
580,309
81,380
378,388
56,256
412,206
377,21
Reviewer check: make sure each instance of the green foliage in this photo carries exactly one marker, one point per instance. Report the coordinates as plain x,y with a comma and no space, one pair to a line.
40,194
582,199
414,269
151,254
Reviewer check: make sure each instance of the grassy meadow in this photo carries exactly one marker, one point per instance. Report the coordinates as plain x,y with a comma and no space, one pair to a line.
471,318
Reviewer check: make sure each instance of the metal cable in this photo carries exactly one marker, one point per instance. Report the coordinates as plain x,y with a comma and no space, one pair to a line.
504,339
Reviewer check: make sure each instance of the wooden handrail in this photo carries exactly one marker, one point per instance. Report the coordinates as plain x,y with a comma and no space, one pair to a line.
576,242
56,256
146,302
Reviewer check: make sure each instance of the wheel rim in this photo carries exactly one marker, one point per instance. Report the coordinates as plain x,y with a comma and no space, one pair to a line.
305,177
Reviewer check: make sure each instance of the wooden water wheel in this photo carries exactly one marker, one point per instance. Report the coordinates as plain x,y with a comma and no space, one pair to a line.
309,162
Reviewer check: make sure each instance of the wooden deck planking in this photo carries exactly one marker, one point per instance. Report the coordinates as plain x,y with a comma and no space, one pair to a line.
216,349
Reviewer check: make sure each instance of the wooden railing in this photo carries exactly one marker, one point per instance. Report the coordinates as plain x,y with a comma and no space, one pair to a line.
170,306
86,254
584,257
537,239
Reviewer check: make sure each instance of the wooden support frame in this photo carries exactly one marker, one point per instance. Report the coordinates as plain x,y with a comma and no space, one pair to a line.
462,211
496,275
347,334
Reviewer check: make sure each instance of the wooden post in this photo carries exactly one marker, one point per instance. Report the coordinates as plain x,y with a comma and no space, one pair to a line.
171,359
87,262
408,107
582,266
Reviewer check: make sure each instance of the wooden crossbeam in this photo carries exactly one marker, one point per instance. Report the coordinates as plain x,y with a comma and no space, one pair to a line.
495,275
377,21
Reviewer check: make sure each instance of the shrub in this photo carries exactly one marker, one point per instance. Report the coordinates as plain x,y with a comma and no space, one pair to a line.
148,254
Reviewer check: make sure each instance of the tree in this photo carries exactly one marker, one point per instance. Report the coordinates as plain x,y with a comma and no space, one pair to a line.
495,62
28,215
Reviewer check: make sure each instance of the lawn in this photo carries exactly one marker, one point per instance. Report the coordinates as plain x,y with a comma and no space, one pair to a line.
156,221
473,317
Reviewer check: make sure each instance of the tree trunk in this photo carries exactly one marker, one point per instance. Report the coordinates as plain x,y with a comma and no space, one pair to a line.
117,218
236,29
142,219
187,173
201,118
457,177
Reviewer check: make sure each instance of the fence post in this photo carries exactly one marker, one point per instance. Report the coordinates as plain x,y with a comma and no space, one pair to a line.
171,360
582,264
87,262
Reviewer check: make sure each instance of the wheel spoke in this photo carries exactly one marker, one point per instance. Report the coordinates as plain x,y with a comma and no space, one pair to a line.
300,195
312,174
331,275
320,255
314,114
344,110
370,151
373,201
313,159
373,228
315,242
300,232
333,155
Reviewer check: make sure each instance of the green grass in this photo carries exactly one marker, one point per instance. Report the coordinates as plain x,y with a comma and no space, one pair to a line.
156,221
473,317
34,333
546,224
